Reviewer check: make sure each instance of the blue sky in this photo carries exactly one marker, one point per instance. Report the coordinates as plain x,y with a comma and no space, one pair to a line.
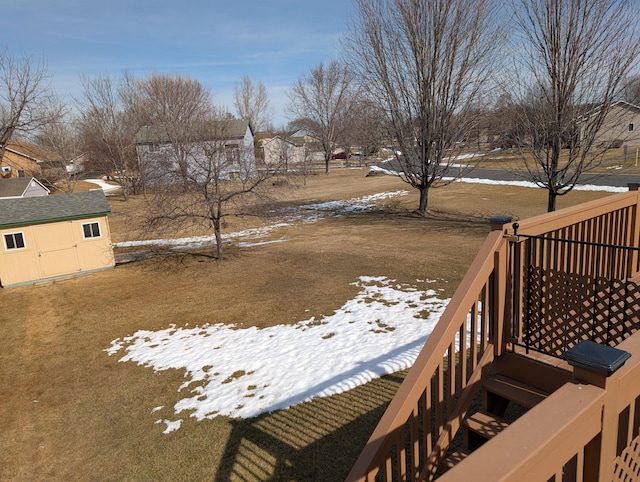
214,41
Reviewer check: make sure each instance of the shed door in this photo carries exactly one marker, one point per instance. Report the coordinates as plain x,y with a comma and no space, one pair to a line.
57,249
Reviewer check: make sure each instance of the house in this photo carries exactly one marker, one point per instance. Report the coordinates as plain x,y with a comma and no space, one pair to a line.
310,141
47,237
620,126
226,146
22,159
17,187
284,152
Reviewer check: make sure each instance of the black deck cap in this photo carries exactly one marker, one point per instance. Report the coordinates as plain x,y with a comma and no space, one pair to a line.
601,359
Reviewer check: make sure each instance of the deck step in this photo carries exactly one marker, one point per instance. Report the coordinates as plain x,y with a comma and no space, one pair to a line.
480,427
454,458
500,390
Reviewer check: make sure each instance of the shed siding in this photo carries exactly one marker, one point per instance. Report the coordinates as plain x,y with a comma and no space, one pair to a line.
55,249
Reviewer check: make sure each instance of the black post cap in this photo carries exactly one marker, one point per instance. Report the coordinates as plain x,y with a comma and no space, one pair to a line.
600,359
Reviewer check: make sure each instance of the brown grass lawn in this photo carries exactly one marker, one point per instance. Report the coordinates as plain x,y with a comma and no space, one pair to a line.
68,411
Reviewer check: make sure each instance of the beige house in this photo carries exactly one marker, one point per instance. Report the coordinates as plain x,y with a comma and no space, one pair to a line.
53,236
283,152
22,159
620,126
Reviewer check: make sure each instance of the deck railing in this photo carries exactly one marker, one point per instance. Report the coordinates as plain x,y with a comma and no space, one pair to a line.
425,414
575,275
587,430
483,318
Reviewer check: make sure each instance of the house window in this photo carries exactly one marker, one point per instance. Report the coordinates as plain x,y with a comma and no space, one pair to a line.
630,127
232,153
14,241
91,230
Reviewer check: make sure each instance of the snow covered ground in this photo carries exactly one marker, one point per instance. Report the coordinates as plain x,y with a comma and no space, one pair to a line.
245,372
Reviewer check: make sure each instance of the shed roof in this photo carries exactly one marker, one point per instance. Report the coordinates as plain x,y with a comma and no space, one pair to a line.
45,209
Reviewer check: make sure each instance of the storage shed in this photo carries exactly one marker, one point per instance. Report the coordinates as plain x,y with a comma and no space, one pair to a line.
53,236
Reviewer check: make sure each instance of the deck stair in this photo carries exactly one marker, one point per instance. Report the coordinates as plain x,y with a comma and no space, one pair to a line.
516,380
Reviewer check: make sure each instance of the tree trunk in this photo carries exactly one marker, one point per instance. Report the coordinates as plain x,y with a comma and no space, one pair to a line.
218,236
326,166
551,200
424,199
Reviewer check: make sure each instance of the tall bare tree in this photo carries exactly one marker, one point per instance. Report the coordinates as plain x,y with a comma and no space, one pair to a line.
108,128
572,58
322,96
425,62
252,103
25,97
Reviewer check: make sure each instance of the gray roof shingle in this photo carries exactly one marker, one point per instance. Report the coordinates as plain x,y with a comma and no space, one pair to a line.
43,209
219,130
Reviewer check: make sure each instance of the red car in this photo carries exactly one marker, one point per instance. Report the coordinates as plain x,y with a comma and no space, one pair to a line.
339,155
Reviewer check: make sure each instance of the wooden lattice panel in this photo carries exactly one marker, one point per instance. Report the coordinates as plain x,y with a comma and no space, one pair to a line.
627,466
566,308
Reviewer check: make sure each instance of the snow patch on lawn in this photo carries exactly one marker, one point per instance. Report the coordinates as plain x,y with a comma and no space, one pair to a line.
242,372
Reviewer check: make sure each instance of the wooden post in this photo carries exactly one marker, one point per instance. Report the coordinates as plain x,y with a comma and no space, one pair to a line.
497,222
598,365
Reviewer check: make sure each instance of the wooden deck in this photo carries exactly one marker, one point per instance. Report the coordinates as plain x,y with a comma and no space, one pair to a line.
534,292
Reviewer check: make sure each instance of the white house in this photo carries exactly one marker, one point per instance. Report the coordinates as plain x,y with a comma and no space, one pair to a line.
224,149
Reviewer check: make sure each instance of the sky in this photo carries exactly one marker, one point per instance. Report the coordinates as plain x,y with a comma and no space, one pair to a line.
243,372
216,42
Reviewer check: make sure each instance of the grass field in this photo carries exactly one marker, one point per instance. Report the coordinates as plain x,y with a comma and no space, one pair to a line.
68,411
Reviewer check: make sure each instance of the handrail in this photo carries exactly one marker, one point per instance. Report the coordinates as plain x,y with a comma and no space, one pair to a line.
471,317
563,218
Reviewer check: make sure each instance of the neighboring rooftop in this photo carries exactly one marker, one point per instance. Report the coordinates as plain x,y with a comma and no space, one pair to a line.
17,186
227,129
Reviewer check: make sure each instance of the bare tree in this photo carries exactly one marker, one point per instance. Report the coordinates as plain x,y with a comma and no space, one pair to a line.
425,62
221,176
172,106
108,128
25,103
573,56
60,137
252,103
322,96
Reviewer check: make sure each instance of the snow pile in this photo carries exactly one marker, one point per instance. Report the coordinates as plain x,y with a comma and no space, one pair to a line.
242,372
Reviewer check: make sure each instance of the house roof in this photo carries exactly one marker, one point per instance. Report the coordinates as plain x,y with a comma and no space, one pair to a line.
17,186
226,129
294,141
31,151
620,103
46,209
